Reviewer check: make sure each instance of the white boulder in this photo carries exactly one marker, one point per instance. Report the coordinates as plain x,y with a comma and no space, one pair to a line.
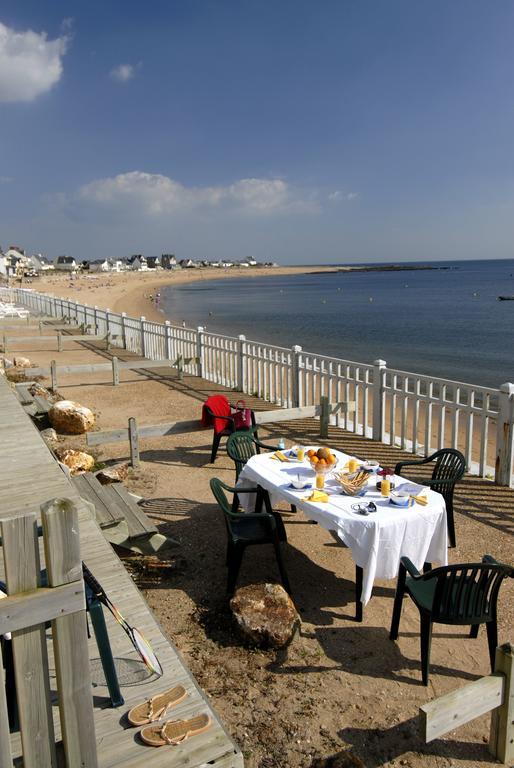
71,418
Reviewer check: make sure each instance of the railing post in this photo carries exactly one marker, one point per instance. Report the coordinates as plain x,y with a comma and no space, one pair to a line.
115,372
241,350
199,351
379,374
123,330
95,316
134,443
295,376
53,375
143,345
107,330
168,340
324,417
505,436
501,738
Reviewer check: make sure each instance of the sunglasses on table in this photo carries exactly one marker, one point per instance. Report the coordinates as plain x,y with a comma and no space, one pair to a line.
365,509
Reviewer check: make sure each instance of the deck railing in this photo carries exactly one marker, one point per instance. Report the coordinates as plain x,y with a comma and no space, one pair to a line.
411,411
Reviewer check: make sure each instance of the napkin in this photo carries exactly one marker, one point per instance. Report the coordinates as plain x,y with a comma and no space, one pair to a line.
420,499
279,456
317,496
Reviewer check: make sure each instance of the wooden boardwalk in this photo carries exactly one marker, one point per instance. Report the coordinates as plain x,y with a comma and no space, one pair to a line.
29,476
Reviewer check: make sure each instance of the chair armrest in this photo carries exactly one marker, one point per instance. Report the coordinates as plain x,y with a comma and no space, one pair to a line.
410,568
490,560
255,516
413,463
268,447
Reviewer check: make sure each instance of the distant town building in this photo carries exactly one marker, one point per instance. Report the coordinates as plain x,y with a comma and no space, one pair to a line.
153,262
40,263
99,265
137,262
168,261
65,263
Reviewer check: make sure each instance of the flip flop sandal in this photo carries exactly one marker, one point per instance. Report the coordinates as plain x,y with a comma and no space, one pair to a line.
156,707
174,732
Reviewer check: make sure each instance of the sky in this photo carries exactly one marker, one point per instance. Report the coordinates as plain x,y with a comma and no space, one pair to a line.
295,131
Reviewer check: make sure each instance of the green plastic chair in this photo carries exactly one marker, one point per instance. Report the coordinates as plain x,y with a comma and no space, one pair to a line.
454,594
450,466
241,446
245,529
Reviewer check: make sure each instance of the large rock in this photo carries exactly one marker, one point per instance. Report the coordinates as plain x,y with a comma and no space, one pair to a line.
76,461
116,473
71,418
21,362
7,363
265,614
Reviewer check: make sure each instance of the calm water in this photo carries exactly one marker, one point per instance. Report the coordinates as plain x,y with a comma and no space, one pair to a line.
444,322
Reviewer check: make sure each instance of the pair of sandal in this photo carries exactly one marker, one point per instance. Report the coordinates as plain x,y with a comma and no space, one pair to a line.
171,732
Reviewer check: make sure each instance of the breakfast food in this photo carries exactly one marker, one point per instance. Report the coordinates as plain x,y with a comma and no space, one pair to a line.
322,459
352,483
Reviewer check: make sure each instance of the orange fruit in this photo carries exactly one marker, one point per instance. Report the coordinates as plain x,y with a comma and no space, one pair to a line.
322,463
324,453
314,459
332,459
311,452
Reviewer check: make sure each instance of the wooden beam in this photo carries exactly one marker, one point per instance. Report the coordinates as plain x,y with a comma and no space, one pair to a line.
156,430
501,740
40,605
96,367
134,442
458,707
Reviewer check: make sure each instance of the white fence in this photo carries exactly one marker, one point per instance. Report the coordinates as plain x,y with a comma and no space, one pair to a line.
414,412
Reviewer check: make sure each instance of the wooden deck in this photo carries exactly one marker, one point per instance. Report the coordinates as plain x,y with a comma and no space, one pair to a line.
29,476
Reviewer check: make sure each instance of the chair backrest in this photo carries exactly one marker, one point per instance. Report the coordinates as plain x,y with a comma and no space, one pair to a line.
218,489
467,593
216,405
241,446
450,464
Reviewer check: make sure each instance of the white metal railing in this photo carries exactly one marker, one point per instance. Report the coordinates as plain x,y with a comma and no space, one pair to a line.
411,411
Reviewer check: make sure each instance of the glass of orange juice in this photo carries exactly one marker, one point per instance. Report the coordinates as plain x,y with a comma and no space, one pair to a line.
300,453
353,465
385,486
320,481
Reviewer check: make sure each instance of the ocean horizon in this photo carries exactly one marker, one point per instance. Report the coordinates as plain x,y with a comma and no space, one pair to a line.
444,322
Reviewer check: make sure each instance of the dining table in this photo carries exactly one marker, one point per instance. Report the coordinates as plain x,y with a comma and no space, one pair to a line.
376,539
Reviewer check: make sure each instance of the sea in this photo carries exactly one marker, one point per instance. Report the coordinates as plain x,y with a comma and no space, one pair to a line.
445,322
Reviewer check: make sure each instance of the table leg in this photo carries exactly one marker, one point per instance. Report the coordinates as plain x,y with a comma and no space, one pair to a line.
358,593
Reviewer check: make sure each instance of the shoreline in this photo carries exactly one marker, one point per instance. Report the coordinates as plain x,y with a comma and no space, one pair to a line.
129,291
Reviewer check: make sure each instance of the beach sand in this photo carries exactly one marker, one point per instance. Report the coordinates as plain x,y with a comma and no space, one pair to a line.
130,291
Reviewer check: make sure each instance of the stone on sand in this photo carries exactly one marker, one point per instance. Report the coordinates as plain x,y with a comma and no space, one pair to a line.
76,461
71,418
116,473
265,614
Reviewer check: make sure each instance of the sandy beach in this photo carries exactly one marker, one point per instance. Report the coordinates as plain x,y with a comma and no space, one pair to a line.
130,291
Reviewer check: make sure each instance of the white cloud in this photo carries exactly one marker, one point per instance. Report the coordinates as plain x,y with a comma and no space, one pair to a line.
123,73
30,64
156,195
339,195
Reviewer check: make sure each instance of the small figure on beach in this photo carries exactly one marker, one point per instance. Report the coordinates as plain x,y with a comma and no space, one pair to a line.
157,297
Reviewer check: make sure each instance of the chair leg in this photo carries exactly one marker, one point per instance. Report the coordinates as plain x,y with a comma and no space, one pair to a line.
281,568
358,592
398,601
426,641
215,445
492,640
236,556
104,648
473,632
293,509
263,497
451,525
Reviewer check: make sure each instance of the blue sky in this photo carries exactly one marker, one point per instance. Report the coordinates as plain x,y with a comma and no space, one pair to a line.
294,131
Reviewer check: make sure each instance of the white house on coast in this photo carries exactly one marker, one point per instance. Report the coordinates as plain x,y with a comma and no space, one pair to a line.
65,264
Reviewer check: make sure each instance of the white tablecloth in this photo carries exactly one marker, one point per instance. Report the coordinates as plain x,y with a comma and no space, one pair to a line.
378,541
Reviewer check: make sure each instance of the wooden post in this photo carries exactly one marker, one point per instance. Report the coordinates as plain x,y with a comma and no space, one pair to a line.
143,344
504,436
379,374
59,342
501,739
108,342
5,343
5,736
40,327
240,363
295,376
134,443
64,566
115,372
324,417
168,340
95,316
53,374
123,330
22,570
107,328
199,354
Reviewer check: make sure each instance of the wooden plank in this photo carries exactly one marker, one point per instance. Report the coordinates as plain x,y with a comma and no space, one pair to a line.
64,566
22,568
40,605
97,367
5,737
458,707
108,511
501,740
115,372
137,522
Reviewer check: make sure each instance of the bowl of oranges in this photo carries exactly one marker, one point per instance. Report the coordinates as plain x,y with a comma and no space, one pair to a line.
321,460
